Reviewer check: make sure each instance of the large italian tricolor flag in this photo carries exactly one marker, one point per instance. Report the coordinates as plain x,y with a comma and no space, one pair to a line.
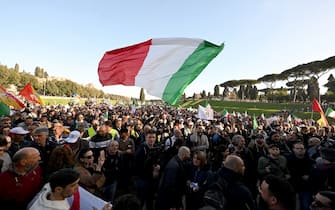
164,67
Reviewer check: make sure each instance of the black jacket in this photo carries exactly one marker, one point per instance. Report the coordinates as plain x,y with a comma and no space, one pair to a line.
238,196
172,185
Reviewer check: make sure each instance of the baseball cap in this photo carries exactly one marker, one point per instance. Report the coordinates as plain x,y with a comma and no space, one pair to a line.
18,130
73,137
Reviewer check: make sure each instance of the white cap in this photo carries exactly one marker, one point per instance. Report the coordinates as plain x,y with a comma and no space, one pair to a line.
73,137
18,130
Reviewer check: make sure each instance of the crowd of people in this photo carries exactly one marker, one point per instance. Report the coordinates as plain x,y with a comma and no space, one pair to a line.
162,157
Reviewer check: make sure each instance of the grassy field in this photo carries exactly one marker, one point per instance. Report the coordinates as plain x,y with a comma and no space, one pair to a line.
301,110
54,100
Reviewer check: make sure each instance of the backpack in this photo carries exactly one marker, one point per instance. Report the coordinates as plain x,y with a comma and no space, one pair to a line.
215,195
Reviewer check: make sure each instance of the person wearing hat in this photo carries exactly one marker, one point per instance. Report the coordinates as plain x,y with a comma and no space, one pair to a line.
42,143
274,163
324,200
75,142
17,134
279,139
258,146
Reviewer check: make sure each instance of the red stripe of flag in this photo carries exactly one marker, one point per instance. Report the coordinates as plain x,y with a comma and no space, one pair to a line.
120,66
316,106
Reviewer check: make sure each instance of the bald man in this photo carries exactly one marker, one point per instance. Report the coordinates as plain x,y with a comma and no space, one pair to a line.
235,163
236,194
20,184
173,183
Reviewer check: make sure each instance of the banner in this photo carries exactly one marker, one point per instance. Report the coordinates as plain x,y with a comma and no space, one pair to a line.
205,113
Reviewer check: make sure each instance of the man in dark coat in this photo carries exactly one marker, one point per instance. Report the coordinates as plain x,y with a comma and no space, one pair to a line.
322,176
300,167
100,141
147,168
237,195
173,182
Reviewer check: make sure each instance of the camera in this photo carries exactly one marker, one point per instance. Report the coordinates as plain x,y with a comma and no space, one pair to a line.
231,148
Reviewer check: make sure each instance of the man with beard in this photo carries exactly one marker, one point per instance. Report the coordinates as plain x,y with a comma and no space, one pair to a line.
20,184
276,194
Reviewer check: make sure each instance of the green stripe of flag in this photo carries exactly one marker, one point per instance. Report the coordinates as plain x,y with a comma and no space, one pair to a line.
330,113
190,69
4,110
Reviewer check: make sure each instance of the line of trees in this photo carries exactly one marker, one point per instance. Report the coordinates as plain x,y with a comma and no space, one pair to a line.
301,84
46,85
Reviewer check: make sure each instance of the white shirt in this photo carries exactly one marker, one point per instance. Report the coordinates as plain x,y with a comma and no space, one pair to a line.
41,202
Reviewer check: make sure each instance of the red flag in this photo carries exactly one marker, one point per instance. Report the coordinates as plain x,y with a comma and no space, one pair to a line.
30,94
316,106
9,99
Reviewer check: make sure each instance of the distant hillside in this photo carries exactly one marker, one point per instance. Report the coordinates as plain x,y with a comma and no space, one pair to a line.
15,79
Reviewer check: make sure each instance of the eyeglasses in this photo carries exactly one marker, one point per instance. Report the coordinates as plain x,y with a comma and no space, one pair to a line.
2,150
88,157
